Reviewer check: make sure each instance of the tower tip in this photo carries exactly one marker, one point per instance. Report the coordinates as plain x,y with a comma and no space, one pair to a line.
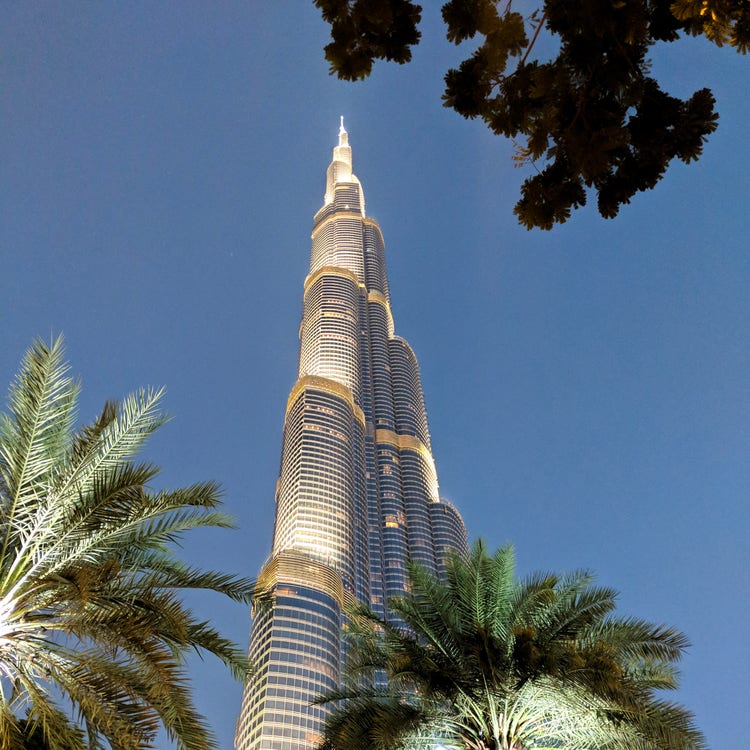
343,135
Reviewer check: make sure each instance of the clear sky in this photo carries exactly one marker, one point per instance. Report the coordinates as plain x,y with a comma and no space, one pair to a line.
587,388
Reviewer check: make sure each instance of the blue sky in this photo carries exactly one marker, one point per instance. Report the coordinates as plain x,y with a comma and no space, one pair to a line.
587,388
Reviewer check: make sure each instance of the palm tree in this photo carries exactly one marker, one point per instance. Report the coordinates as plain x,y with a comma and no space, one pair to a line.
93,628
489,662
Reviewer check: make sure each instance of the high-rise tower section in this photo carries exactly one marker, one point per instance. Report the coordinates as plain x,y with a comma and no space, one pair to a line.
357,495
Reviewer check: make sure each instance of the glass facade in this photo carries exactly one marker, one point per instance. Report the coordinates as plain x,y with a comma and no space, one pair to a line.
357,494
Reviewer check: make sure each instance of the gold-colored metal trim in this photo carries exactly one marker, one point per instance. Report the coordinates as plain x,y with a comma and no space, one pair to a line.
334,216
329,386
405,442
374,224
298,568
330,271
376,296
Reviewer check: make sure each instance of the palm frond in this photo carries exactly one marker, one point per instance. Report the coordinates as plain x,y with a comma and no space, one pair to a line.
490,661
373,719
90,586
634,639
34,437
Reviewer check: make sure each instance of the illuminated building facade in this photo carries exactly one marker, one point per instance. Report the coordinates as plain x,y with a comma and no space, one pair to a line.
357,494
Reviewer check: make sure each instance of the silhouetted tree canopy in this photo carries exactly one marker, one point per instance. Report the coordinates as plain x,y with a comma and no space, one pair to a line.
591,117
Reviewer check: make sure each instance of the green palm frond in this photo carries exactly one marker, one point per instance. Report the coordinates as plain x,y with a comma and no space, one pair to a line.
576,604
118,436
34,437
635,638
490,662
93,629
374,719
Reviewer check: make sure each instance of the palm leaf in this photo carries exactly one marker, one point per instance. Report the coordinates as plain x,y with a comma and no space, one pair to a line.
34,436
90,587
489,661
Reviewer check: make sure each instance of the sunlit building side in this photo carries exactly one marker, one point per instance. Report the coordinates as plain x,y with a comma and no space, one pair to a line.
357,495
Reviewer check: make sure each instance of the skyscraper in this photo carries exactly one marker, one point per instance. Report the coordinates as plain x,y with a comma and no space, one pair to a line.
357,494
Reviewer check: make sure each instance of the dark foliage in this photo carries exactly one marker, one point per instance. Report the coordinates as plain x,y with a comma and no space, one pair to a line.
592,118
367,30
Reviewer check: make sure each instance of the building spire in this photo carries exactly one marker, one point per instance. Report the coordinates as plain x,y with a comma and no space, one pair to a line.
340,171
343,135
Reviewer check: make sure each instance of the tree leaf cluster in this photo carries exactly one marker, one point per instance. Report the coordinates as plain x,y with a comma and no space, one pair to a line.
721,21
366,30
94,630
588,117
482,660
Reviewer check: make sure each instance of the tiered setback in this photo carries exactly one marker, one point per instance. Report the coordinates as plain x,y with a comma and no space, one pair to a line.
357,496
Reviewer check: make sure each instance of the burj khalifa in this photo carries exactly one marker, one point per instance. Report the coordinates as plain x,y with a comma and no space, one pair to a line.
357,494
